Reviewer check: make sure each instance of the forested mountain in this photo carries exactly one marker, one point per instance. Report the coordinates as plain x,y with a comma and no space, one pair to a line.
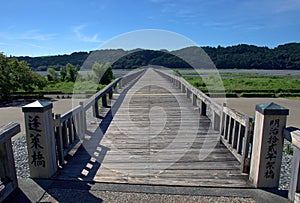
239,56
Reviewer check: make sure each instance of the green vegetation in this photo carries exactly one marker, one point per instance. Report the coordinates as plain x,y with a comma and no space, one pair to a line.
250,85
248,56
70,87
102,73
241,56
17,76
17,80
145,57
288,149
67,80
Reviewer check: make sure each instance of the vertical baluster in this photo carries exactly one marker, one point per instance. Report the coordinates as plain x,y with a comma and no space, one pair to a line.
83,118
226,122
240,138
104,100
235,134
59,140
65,134
231,123
70,130
203,108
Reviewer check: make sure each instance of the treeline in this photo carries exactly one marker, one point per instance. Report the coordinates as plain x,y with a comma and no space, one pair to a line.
249,57
240,56
42,63
145,57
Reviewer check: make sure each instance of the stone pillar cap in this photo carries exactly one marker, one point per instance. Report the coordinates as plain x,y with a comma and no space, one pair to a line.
37,106
271,108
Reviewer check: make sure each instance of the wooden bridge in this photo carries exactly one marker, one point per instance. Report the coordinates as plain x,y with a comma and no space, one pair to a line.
152,127
155,136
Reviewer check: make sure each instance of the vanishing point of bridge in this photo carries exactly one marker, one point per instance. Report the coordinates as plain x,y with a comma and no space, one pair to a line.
156,136
151,127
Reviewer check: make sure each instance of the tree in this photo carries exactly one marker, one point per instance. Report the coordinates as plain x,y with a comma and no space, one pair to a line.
52,75
16,75
72,72
102,73
63,73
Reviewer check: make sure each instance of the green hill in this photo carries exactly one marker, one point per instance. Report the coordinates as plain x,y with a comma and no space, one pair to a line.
243,56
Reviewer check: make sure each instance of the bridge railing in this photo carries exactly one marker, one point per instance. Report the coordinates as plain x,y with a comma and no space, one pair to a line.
235,128
237,133
8,177
71,127
292,135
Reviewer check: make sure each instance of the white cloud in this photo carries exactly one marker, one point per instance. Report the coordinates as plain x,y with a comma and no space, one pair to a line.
80,36
28,35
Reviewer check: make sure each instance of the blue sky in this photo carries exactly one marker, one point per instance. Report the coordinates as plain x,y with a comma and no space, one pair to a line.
36,28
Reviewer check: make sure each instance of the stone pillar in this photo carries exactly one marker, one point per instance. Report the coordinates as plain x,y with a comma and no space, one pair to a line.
40,139
270,120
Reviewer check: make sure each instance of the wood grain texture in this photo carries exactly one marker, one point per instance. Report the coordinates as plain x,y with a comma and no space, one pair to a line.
153,135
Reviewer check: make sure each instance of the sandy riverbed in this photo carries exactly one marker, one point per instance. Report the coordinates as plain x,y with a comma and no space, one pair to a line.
245,105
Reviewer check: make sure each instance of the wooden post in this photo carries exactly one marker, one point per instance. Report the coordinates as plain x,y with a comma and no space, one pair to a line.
203,108
188,93
294,190
59,139
222,121
182,88
110,94
104,101
96,109
83,119
194,99
40,139
270,120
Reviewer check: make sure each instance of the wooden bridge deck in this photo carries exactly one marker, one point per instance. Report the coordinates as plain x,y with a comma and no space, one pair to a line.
153,135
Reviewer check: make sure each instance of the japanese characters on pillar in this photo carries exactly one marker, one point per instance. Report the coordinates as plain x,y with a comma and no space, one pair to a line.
271,154
40,139
36,155
270,120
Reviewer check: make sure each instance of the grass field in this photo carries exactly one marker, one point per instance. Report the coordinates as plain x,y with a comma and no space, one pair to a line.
247,84
70,87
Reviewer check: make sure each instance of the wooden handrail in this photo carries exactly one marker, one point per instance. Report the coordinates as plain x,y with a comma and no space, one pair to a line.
9,130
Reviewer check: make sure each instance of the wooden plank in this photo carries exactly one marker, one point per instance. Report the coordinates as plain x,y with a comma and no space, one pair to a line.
144,142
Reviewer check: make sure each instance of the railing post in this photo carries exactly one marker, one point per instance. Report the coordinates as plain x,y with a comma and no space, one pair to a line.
96,109
203,108
59,141
182,88
194,99
222,120
294,190
83,119
270,120
40,139
104,101
188,93
110,94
